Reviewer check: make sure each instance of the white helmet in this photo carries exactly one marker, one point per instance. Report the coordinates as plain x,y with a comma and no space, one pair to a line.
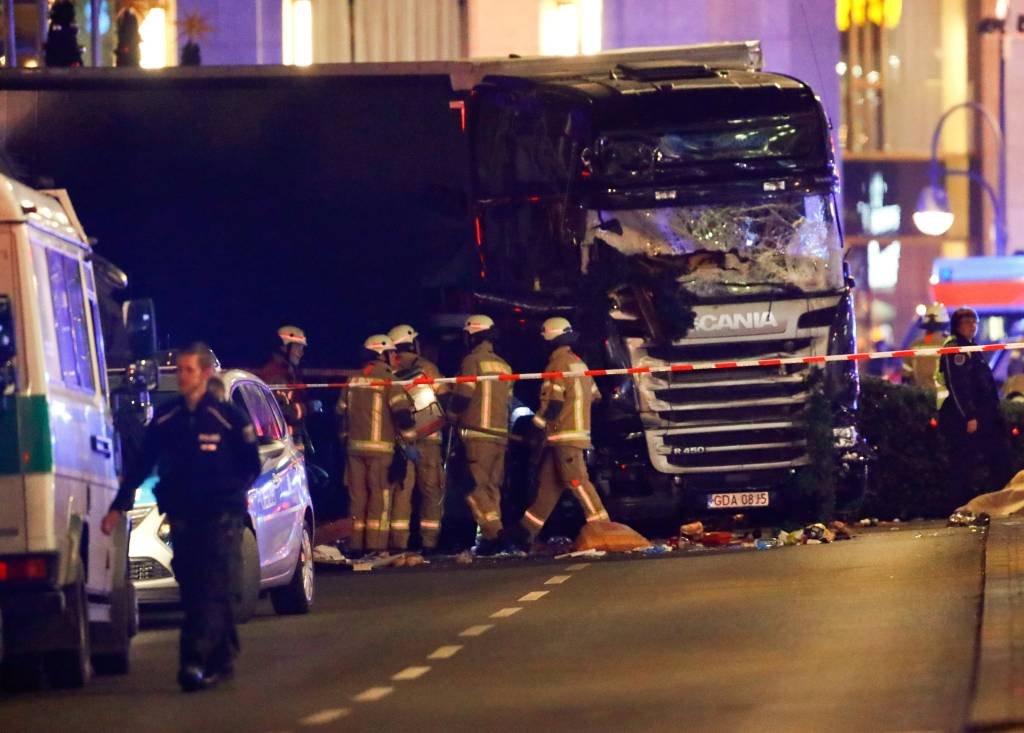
402,334
378,343
292,335
555,327
477,323
935,313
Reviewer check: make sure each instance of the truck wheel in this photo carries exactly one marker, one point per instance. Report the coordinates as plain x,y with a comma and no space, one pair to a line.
69,668
249,590
123,611
297,596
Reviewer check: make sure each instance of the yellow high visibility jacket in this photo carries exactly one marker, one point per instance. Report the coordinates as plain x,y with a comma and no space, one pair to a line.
368,408
571,426
488,406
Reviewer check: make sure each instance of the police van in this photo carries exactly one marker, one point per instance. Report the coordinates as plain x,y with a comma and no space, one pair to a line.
66,603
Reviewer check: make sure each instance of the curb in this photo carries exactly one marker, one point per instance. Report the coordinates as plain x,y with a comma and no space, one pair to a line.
998,700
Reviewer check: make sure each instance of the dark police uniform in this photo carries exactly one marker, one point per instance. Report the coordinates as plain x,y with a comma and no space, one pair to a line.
973,396
206,459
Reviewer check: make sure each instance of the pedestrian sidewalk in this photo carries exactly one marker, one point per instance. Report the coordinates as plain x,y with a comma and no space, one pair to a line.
999,682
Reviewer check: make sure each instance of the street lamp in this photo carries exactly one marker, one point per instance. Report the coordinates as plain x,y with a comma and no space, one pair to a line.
933,215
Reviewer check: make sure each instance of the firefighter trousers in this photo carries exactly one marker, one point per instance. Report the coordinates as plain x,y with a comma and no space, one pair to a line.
485,460
427,476
562,467
370,499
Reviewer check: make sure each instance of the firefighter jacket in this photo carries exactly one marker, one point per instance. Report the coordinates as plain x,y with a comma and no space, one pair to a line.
488,400
924,370
972,389
571,425
278,370
368,407
206,459
408,360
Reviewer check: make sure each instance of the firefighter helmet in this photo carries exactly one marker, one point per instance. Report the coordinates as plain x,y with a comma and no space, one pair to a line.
935,314
478,323
554,328
403,334
292,335
378,344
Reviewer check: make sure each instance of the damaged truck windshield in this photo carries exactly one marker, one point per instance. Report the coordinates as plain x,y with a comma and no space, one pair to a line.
681,213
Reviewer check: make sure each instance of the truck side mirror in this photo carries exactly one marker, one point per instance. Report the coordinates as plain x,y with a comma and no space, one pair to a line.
140,323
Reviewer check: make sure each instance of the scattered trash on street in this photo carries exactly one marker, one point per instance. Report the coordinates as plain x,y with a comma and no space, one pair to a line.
611,537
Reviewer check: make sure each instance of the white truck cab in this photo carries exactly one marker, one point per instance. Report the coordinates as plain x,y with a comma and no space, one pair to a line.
65,598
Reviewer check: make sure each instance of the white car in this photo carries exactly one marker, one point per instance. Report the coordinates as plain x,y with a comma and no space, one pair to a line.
277,546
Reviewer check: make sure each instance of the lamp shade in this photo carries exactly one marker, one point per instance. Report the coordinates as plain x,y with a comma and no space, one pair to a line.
933,216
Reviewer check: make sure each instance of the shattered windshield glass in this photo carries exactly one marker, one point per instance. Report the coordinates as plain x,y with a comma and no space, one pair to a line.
778,243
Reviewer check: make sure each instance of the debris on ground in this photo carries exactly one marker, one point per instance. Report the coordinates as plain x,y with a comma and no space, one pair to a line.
717,539
464,558
662,549
328,555
581,553
611,537
558,545
692,532
868,522
966,518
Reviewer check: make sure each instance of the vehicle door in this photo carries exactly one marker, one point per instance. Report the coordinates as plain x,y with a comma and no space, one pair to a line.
271,519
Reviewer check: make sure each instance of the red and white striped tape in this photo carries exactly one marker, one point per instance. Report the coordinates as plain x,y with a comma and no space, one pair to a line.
695,366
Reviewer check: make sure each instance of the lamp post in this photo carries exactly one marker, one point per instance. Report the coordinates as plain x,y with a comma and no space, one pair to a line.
933,215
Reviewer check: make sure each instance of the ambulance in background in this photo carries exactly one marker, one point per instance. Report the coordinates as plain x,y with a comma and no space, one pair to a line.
66,603
994,287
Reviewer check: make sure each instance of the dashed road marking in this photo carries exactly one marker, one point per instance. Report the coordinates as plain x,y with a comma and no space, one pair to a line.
478,630
445,652
557,579
410,673
373,694
579,566
324,716
534,595
506,612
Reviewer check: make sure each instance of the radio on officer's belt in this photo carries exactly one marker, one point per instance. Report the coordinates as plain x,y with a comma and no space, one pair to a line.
426,410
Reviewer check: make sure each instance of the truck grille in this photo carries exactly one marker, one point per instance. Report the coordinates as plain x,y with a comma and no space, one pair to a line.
146,568
714,422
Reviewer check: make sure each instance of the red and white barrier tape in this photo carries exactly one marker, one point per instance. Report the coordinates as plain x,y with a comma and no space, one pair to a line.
696,366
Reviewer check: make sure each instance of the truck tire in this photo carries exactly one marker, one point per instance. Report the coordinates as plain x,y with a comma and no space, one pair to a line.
69,668
123,611
249,584
297,597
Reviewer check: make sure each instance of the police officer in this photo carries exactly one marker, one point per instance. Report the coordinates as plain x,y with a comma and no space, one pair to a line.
370,410
481,411
562,424
427,472
924,370
970,418
205,453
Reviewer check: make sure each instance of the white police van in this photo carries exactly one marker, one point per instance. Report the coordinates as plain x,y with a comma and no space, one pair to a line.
65,598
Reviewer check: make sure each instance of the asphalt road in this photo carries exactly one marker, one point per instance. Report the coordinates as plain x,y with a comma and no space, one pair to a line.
878,633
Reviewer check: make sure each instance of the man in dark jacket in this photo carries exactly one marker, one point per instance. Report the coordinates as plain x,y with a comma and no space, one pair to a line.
970,418
205,454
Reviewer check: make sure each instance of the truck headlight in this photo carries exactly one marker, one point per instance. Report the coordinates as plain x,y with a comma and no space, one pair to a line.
844,437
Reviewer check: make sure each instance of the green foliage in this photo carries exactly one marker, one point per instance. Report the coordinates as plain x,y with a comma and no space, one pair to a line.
912,475
816,483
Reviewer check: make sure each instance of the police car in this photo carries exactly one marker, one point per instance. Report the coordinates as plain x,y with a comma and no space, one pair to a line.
277,546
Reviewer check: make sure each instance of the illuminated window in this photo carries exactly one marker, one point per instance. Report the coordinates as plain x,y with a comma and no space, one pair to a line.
297,32
570,27
153,30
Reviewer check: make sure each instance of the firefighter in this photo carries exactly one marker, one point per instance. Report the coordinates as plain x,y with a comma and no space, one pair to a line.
924,370
369,411
562,427
970,418
206,455
283,368
426,474
481,412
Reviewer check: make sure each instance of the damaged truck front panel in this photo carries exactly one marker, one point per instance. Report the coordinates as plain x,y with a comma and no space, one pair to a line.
681,215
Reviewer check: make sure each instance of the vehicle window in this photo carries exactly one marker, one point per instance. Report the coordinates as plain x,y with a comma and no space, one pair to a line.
261,413
275,409
69,319
101,355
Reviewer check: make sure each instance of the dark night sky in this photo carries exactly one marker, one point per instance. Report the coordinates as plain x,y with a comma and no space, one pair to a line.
240,204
